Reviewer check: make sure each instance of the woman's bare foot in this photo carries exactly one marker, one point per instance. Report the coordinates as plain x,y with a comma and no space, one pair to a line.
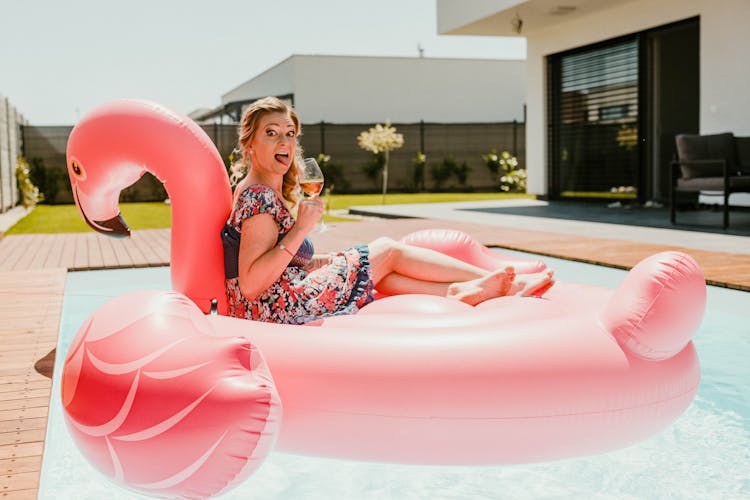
531,284
496,284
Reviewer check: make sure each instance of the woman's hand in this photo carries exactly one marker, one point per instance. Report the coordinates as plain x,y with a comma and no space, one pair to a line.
309,213
318,260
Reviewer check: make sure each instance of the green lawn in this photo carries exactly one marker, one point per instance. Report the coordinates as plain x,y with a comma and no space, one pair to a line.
342,201
66,219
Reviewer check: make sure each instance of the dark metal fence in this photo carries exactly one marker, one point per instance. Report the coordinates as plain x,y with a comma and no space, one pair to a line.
44,147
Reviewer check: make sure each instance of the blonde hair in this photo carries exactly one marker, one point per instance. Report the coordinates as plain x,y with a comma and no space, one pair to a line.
247,130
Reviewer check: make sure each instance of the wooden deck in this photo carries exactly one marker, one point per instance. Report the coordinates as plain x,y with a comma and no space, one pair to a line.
32,280
30,307
84,251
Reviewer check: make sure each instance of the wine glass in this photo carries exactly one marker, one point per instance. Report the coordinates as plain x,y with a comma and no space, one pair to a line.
311,182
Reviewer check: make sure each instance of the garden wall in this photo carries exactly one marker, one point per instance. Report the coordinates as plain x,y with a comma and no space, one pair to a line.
44,147
10,123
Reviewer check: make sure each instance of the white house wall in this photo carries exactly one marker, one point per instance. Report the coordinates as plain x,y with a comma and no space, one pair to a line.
278,80
343,89
452,15
724,70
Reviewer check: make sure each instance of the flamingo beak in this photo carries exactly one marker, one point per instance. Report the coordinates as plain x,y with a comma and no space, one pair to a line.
113,226
116,226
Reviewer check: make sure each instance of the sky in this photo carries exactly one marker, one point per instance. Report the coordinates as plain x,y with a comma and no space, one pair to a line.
59,59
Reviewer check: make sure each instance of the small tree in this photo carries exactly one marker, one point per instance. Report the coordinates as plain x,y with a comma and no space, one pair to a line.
333,173
419,162
443,171
381,139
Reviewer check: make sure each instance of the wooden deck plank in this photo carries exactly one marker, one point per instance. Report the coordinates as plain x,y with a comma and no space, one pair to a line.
9,247
41,252
22,436
18,251
81,256
19,465
32,247
94,250
24,403
22,485
13,386
22,450
137,257
150,248
68,253
17,343
26,424
15,252
160,241
55,250
109,258
121,255
28,379
18,413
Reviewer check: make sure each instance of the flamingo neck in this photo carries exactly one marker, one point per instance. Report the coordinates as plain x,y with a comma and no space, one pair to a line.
198,188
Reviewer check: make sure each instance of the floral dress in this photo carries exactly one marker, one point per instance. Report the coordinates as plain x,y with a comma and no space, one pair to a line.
341,287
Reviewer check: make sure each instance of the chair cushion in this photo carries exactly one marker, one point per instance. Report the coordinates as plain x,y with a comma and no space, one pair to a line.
736,184
743,153
706,147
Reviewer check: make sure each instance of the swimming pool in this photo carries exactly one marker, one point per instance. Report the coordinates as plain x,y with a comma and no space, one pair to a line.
705,453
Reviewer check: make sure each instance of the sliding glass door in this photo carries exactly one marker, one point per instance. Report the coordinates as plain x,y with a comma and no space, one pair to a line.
615,108
594,104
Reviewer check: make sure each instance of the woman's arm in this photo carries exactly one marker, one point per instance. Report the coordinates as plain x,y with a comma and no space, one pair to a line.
261,260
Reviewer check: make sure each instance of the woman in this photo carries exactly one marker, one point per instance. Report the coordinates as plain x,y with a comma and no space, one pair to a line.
280,280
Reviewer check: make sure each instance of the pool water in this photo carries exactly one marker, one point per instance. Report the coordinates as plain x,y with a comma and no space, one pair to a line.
704,454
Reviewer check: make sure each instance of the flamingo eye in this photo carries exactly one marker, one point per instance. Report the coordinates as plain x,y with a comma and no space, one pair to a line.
76,168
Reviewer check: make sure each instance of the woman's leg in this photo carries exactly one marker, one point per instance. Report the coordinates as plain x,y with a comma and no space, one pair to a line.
388,256
397,284
398,268
494,284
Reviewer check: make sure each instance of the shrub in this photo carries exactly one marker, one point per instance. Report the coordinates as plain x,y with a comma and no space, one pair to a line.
50,180
448,168
334,174
461,172
492,161
419,162
442,171
30,194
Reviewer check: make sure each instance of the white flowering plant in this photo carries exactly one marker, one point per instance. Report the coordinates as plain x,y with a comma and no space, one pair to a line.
381,139
511,178
514,181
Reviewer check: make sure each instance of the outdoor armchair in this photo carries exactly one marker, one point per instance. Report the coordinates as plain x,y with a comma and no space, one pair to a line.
714,165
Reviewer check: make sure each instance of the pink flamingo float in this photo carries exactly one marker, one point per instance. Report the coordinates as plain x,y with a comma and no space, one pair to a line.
169,400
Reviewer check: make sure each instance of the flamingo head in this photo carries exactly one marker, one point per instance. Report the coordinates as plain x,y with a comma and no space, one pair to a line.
101,164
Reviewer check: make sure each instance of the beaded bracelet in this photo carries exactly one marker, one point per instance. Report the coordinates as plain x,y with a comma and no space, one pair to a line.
284,248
